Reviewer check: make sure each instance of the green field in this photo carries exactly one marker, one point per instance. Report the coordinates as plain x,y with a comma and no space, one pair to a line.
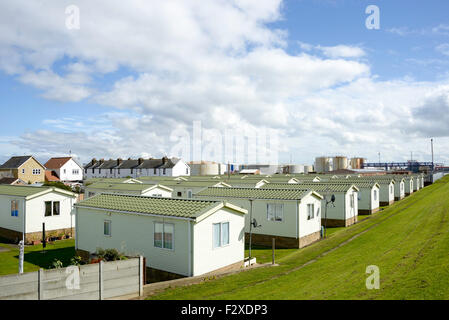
34,259
409,242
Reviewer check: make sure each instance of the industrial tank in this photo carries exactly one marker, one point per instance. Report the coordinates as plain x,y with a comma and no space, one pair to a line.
357,163
308,168
294,168
340,162
323,164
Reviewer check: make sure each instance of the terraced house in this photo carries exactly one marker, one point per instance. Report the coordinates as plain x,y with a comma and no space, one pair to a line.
25,168
291,216
178,237
136,168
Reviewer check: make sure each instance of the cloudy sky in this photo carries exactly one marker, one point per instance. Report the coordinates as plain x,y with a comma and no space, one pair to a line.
135,75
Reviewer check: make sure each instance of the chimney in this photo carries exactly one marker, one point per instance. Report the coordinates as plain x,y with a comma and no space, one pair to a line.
94,161
101,161
140,160
164,160
119,161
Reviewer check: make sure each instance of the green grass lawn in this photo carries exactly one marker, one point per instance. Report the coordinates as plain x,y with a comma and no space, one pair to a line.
34,259
409,242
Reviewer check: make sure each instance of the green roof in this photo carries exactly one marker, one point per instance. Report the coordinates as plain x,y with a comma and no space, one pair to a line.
119,186
316,186
183,208
254,193
358,183
25,191
188,183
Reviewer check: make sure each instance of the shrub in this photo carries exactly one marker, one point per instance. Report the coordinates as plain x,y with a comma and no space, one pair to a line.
109,254
76,261
57,264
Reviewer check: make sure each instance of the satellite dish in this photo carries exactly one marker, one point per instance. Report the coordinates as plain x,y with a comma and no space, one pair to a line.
254,223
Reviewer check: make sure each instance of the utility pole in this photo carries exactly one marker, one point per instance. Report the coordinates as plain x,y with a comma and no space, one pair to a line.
431,145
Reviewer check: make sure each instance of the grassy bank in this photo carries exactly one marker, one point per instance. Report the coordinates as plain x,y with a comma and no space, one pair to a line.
409,242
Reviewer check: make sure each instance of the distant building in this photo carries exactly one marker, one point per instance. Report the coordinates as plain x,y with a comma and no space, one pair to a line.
119,168
11,181
64,169
25,168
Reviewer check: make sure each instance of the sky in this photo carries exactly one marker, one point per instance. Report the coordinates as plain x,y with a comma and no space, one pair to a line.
108,79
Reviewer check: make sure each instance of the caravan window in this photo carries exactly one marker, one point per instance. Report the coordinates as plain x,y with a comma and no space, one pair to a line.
275,212
220,234
310,211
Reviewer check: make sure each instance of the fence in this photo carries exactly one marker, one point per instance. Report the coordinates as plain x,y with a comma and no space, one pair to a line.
99,281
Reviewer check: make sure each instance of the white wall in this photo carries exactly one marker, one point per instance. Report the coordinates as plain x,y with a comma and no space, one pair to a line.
6,220
205,257
133,234
158,191
35,213
307,227
69,166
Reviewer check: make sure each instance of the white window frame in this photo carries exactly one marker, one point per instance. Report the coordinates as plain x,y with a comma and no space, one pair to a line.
52,209
16,207
221,245
109,222
278,215
163,234
310,216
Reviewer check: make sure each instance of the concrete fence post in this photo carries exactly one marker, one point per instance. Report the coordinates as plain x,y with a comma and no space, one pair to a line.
100,280
40,289
141,273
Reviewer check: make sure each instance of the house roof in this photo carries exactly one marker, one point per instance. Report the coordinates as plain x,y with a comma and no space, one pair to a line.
8,180
255,193
29,191
56,163
182,208
51,176
317,186
16,162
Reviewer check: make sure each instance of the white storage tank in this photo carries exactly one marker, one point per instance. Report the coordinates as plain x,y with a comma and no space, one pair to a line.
339,162
323,164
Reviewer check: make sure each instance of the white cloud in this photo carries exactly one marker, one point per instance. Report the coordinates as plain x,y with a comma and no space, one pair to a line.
185,61
443,48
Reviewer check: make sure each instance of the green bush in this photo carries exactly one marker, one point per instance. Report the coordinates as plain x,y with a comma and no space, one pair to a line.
109,254
57,264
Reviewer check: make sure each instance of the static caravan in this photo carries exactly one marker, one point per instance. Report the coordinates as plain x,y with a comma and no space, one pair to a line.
186,189
343,212
291,216
368,195
386,192
416,182
178,237
409,181
399,189
23,210
128,188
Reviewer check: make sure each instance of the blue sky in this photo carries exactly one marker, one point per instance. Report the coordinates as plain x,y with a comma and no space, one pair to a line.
130,77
